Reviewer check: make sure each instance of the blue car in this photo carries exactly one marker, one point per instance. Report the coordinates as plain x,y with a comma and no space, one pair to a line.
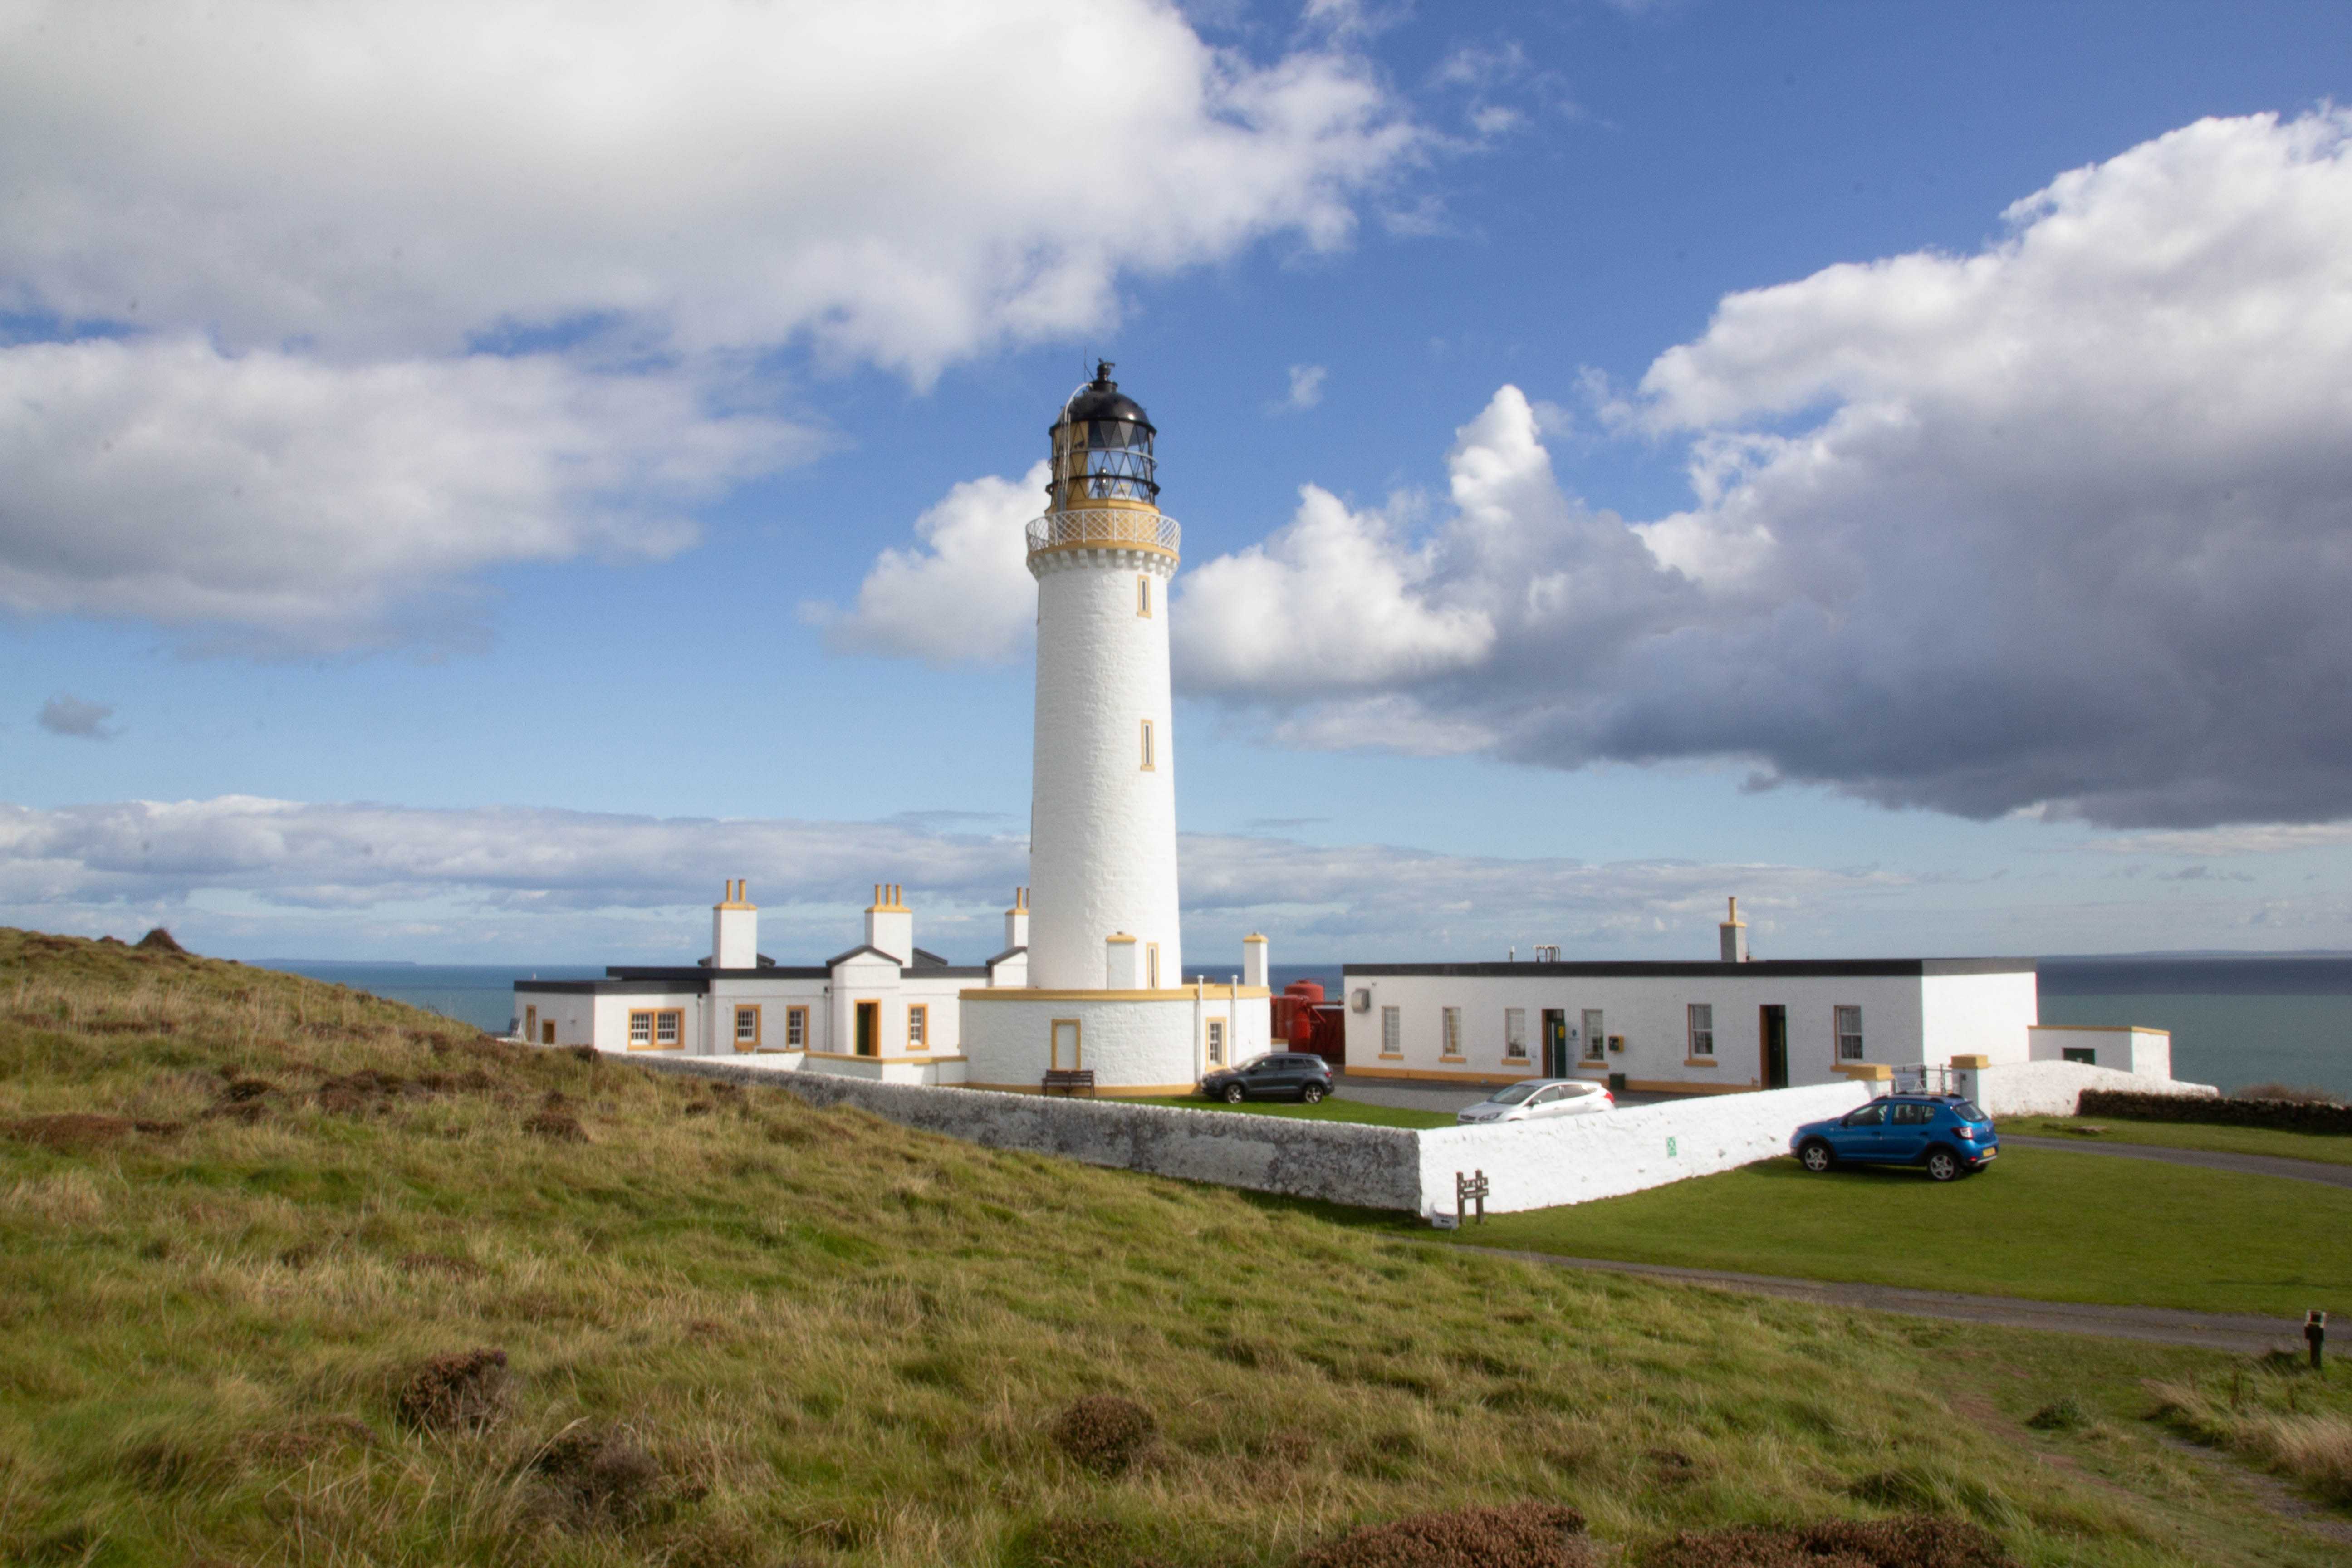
1945,1133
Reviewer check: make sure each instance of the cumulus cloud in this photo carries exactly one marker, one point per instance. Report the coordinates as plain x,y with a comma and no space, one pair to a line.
964,594
894,178
66,714
1305,386
303,505
2058,525
351,305
239,866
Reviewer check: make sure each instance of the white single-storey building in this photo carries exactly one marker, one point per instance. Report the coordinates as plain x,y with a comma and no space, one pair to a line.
1724,1026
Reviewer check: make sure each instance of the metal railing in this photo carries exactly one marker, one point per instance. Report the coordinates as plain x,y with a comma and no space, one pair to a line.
1107,526
1920,1078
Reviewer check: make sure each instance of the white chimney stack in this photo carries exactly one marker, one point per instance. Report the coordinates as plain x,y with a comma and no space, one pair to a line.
1017,920
891,924
1253,964
735,929
1734,936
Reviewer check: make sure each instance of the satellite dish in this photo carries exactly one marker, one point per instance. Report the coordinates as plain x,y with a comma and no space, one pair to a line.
1360,1000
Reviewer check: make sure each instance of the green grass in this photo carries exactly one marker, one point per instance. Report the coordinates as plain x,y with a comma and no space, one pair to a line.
2332,1149
2044,1223
1332,1109
843,1343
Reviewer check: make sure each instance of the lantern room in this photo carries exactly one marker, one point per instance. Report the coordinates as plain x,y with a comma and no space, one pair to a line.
1102,450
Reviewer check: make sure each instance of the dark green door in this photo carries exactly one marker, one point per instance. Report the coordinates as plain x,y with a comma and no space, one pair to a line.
1774,1028
1555,1038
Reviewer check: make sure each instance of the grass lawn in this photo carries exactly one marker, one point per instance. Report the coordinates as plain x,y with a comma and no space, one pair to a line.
239,1210
2054,1225
1332,1109
2327,1148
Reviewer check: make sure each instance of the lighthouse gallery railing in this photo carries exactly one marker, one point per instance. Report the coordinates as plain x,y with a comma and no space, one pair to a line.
1107,526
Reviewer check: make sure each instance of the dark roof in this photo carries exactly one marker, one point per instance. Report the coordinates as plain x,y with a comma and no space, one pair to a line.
853,952
699,973
924,960
1760,969
1102,399
688,982
1008,952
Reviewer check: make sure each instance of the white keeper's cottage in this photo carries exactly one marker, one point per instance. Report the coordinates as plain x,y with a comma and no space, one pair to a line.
1093,982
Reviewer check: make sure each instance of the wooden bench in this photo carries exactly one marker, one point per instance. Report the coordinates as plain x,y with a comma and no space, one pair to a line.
1070,1080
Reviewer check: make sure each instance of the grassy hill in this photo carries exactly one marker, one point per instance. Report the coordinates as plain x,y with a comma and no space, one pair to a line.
288,1274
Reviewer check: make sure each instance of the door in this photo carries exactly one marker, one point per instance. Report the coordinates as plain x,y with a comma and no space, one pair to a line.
869,1028
1555,1042
1596,1038
1908,1125
1065,1045
1772,1031
1862,1135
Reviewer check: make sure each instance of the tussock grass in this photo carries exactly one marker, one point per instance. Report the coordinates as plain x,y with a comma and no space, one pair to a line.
2313,1447
737,1329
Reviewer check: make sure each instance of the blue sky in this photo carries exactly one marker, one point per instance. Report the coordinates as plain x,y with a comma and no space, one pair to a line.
446,489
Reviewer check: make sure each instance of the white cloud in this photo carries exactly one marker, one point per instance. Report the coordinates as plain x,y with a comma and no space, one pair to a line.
2244,838
66,714
1307,385
893,178
279,501
338,877
413,292
963,594
2059,524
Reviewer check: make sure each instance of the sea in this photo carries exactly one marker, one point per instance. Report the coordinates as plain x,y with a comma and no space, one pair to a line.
2234,1020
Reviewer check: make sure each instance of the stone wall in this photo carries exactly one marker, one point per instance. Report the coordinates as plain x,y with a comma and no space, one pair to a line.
2052,1089
1575,1159
1369,1167
2289,1115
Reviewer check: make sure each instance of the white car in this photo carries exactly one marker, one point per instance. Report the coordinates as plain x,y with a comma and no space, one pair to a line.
1537,1097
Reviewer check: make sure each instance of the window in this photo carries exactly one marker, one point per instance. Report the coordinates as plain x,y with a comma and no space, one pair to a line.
747,1028
547,1033
1849,1034
796,1028
918,1028
1143,597
1450,1032
1216,1039
1702,1028
1391,1031
1151,966
530,1022
2084,1054
1515,1033
1148,763
1065,1057
1596,1039
1908,1115
656,1029
1868,1116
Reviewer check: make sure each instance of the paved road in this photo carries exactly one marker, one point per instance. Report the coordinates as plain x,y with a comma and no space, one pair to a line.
2246,1333
2213,1160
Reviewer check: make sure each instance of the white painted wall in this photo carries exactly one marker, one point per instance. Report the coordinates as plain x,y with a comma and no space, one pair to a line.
1649,1012
1977,1015
1156,1043
1102,854
1575,1159
2052,1089
2146,1053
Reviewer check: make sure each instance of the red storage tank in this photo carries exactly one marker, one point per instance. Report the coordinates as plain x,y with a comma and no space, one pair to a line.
1303,1021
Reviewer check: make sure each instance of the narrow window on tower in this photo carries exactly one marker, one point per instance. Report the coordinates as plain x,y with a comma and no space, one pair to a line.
1151,965
1143,597
1148,763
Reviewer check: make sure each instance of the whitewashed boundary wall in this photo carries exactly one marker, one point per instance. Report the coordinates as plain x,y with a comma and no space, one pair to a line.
1575,1159
1529,1165
2052,1089
1337,1162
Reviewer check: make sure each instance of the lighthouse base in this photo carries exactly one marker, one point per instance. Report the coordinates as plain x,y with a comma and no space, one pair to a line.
1134,1042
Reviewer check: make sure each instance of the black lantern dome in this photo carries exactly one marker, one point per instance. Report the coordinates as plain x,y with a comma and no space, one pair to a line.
1102,448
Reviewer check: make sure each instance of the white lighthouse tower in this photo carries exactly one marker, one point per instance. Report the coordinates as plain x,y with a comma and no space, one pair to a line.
1106,992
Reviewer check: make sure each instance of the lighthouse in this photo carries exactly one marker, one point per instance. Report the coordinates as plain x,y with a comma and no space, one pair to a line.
1106,991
